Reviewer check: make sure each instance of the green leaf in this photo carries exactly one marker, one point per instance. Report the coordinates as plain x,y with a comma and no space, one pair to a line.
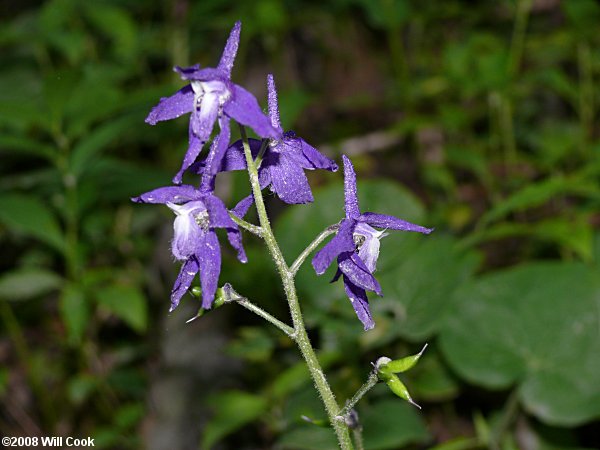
392,424
417,288
28,283
308,437
126,302
254,344
233,410
297,376
574,234
75,312
534,326
88,149
25,145
28,215
536,194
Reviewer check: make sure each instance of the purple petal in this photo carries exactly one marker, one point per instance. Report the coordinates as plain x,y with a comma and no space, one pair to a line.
273,106
241,209
289,182
342,242
360,303
181,102
355,270
230,50
350,194
235,239
195,73
315,159
215,156
169,194
217,213
194,149
209,259
307,156
234,158
391,223
244,109
188,271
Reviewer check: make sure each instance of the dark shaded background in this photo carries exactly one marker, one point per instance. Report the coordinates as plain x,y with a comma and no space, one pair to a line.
478,118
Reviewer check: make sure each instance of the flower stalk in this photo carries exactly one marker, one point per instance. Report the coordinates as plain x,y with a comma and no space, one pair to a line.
287,278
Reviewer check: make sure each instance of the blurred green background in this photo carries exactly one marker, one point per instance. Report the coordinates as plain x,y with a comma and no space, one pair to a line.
478,118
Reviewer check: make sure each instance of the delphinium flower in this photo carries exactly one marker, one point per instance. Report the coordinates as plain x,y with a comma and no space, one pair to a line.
198,213
283,163
356,247
211,96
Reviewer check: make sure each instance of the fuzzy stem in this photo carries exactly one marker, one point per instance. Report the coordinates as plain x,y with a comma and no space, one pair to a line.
233,296
300,335
246,225
366,387
358,440
312,246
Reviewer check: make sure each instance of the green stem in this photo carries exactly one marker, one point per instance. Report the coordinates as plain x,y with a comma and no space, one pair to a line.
246,225
509,413
366,387
358,440
261,153
300,335
232,296
586,95
312,246
518,37
22,349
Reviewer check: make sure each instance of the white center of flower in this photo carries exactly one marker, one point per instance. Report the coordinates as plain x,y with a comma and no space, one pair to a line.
188,214
367,239
209,94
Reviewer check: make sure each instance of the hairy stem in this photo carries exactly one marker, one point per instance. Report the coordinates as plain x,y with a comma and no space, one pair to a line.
232,296
366,387
246,225
300,335
312,246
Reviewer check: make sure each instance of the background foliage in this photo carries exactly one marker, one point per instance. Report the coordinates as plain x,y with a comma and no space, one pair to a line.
478,118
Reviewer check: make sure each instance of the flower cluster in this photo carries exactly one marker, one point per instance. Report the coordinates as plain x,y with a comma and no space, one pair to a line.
212,97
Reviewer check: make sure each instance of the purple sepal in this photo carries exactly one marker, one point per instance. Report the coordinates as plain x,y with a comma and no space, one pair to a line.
355,270
178,104
188,271
342,242
209,259
244,109
391,223
350,193
360,303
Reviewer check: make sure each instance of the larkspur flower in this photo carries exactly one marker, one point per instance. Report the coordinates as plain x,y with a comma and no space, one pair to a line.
211,96
198,213
283,163
356,247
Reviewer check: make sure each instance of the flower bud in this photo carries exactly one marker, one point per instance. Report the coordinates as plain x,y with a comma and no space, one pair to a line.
398,388
403,364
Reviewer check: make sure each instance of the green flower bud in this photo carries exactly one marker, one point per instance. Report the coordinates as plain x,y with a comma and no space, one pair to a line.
398,388
196,291
404,364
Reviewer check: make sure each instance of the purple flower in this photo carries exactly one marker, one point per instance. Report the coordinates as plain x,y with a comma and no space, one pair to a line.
198,213
211,96
356,247
283,163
